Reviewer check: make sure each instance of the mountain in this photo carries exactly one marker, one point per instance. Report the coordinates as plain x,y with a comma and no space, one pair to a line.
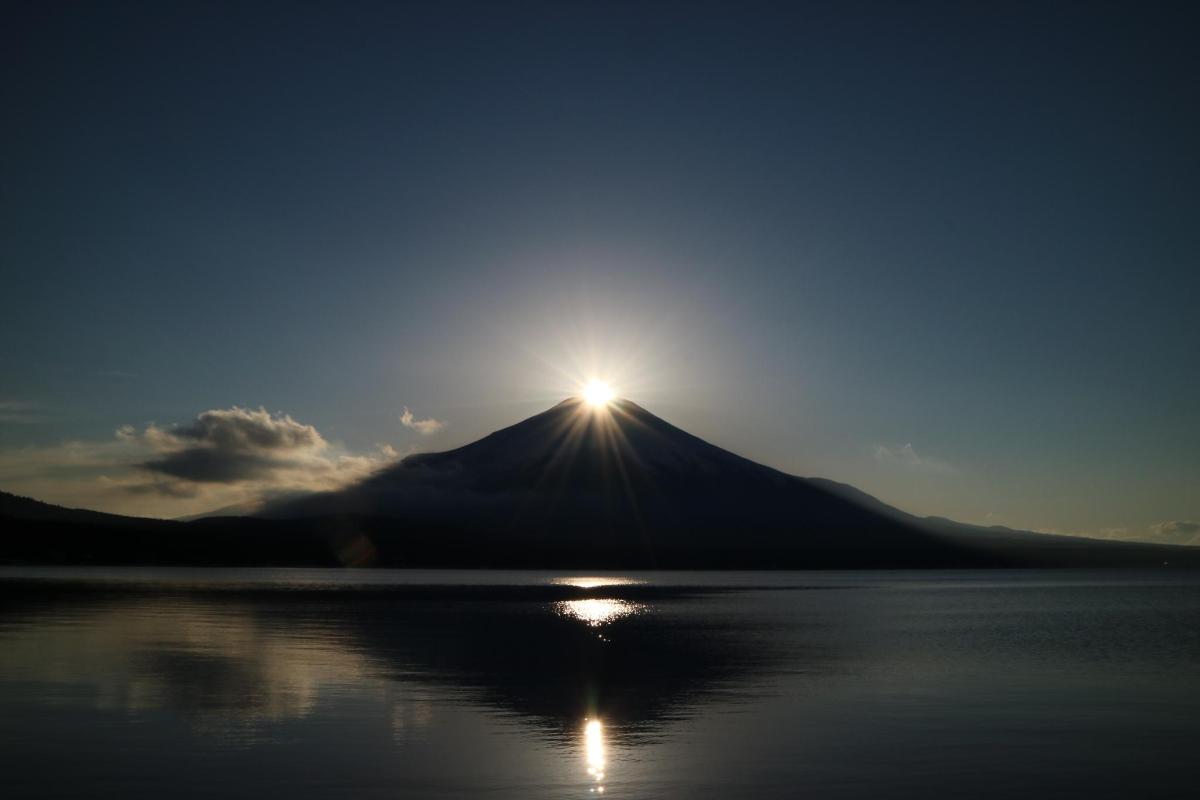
619,486
574,486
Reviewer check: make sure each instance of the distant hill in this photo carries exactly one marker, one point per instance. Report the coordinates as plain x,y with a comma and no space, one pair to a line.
26,508
571,487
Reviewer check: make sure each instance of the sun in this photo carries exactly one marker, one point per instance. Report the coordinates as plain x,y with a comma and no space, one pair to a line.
597,394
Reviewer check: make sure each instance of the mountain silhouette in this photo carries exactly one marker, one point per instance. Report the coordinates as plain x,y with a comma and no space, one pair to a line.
574,486
618,486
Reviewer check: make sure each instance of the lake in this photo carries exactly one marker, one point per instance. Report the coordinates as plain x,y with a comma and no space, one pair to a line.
429,684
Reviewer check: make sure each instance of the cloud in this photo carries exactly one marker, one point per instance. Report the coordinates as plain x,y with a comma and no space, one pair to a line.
1171,532
1176,532
16,412
231,445
425,427
245,429
907,457
1115,533
212,465
224,457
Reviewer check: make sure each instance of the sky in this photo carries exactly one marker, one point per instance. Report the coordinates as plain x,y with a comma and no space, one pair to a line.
948,253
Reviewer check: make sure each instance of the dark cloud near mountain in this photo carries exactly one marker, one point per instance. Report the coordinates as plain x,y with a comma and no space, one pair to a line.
232,445
239,430
211,465
180,490
252,452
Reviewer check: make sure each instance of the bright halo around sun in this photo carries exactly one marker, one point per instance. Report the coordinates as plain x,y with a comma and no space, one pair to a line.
597,394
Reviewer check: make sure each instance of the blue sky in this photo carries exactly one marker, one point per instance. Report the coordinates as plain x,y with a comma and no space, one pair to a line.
946,254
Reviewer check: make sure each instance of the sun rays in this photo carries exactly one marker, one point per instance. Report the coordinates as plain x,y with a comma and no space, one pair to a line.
596,437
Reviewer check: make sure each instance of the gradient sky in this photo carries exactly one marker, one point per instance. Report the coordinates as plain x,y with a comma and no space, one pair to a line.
947,253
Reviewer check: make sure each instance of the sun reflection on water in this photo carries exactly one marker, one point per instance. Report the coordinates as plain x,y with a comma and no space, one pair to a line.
595,612
593,752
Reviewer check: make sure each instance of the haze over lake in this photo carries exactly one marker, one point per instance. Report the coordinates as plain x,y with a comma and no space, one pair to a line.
315,683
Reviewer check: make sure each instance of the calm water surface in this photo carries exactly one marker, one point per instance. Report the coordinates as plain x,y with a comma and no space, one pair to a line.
312,683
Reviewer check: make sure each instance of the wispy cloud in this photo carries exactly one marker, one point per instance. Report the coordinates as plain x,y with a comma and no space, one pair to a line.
907,457
15,412
1177,531
425,427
